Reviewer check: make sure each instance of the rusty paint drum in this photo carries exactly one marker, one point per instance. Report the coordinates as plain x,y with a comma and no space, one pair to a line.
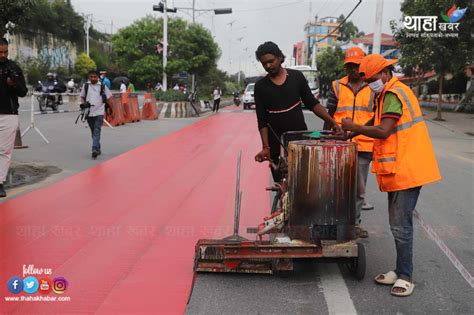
322,189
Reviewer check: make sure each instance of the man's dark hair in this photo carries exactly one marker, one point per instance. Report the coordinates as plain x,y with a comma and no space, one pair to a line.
94,72
269,48
3,42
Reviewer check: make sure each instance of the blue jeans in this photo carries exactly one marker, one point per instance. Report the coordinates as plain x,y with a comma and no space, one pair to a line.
400,211
363,162
95,124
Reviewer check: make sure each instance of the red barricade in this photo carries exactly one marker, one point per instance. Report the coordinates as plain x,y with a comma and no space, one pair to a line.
150,109
130,104
117,118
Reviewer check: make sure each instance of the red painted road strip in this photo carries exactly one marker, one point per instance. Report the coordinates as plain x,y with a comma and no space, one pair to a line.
123,233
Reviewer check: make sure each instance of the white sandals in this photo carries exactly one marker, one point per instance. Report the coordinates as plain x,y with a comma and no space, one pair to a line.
392,278
403,284
388,278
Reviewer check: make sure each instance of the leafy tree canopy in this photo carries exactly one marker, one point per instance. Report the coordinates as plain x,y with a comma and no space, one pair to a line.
17,12
330,66
444,55
191,49
50,16
347,30
84,64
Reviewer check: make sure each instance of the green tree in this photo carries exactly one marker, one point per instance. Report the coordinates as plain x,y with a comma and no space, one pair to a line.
17,12
330,66
56,17
84,64
191,49
444,55
347,30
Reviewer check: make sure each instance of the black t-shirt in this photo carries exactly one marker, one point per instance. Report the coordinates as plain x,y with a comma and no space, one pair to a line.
280,105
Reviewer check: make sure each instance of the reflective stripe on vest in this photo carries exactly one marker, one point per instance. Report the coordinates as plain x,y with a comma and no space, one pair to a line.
390,159
404,160
350,107
408,124
414,120
405,98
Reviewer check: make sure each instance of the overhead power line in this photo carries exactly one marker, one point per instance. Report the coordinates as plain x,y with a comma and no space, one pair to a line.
342,22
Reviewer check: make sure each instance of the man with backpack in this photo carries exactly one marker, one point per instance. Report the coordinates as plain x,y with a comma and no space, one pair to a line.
96,96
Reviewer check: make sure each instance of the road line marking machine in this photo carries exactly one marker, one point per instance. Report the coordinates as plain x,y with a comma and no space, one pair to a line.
313,212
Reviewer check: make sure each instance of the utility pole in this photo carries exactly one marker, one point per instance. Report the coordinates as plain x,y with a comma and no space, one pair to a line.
165,45
313,54
230,44
193,76
87,26
377,40
163,7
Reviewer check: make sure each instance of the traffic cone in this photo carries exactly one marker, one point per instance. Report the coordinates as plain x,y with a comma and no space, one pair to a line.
18,142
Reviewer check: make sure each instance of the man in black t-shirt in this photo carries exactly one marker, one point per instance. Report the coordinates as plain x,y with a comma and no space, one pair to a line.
278,98
12,86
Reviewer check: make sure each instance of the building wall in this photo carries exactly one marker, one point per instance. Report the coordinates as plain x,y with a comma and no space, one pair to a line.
42,47
318,29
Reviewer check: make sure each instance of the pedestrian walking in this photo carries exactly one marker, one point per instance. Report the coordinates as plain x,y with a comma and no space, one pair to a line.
12,86
97,96
216,95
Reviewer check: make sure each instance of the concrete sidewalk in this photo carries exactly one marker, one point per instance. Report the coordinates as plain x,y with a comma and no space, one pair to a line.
460,122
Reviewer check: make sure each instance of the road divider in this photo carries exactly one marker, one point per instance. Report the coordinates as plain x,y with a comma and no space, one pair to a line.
149,109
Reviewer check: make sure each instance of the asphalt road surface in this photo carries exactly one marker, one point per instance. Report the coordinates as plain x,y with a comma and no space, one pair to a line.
440,258
445,207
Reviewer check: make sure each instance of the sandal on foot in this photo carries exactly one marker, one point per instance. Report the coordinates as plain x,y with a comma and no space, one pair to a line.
403,284
360,232
388,278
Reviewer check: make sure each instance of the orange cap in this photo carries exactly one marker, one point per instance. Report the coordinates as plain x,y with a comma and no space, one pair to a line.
354,55
373,64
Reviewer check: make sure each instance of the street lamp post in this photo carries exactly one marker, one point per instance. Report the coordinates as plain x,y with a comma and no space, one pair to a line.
162,7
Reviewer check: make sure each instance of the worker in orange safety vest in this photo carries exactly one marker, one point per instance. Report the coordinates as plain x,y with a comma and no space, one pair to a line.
351,97
403,160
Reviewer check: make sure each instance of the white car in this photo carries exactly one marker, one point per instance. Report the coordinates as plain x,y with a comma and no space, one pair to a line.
311,76
248,99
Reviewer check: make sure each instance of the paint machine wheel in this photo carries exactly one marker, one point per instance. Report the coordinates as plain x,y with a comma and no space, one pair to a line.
358,264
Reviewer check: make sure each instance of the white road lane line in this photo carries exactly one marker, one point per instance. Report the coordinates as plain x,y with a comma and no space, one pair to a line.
454,260
335,290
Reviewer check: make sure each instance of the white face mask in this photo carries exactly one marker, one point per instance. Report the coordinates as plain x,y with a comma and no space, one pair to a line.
377,86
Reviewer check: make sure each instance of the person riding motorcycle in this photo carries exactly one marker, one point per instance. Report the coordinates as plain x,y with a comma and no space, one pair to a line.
236,95
50,85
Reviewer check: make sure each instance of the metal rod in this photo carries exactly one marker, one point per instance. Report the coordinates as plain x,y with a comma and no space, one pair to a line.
237,197
278,138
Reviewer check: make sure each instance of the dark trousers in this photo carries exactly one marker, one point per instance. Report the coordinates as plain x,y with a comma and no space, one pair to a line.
217,102
95,124
400,213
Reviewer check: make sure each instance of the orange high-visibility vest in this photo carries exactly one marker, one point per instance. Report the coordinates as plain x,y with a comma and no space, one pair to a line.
405,159
359,107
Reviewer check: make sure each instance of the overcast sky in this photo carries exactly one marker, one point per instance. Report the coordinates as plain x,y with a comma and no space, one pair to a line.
254,21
